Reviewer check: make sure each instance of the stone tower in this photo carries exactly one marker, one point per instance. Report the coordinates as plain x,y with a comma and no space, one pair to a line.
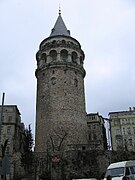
60,105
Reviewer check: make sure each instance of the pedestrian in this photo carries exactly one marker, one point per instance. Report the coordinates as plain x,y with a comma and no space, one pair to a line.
125,178
109,177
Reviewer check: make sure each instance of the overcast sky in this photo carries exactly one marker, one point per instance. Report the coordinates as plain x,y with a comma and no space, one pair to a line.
106,32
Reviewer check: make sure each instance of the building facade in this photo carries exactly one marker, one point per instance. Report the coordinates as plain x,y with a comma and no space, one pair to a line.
11,128
97,134
11,131
122,129
60,109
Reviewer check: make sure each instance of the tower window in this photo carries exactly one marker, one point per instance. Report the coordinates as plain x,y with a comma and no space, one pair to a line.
9,130
53,80
53,54
43,57
9,118
2,119
74,57
64,54
63,41
54,42
76,82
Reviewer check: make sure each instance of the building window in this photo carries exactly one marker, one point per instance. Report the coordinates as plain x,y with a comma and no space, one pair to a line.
134,129
74,57
2,119
64,54
83,148
94,126
128,121
124,131
9,130
123,121
43,57
9,118
89,136
53,54
119,143
130,142
128,130
118,132
63,42
116,122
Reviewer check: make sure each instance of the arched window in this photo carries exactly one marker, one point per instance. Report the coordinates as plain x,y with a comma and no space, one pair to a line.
64,54
43,57
74,57
53,54
54,42
63,41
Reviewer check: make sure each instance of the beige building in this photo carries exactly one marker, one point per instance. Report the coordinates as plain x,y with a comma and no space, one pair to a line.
96,127
122,129
12,130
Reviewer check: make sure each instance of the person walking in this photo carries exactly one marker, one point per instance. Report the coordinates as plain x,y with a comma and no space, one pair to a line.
125,178
109,177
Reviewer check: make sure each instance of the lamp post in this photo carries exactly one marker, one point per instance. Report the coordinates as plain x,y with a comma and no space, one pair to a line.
1,119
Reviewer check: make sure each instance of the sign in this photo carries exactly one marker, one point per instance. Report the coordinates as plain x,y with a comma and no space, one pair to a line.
55,158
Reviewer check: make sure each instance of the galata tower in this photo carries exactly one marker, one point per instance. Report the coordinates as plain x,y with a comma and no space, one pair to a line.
60,104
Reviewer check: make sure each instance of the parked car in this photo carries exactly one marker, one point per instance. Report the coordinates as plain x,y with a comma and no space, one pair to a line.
120,169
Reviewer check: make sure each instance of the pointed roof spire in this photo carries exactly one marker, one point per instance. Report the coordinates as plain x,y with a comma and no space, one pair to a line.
60,27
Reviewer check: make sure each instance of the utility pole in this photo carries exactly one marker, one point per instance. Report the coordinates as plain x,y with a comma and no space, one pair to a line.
108,132
1,119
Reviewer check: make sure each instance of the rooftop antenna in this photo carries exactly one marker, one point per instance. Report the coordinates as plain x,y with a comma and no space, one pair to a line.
59,9
1,118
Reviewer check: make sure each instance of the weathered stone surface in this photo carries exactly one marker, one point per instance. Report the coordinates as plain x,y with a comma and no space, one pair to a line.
60,113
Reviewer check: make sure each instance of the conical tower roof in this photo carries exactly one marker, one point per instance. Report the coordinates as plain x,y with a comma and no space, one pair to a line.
60,28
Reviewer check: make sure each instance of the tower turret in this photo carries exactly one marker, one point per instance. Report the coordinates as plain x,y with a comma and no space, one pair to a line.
60,107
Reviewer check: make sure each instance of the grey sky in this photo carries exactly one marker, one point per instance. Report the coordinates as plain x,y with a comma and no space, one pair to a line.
106,31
